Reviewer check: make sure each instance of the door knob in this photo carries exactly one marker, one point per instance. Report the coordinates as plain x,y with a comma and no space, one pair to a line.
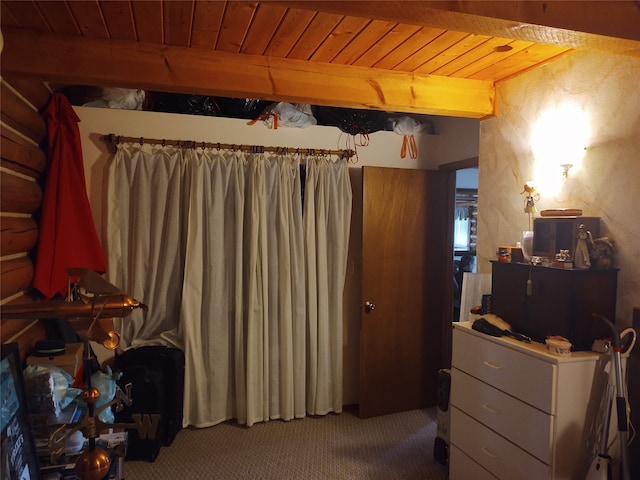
369,307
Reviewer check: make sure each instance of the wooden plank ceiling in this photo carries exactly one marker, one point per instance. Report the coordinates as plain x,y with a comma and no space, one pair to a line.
442,58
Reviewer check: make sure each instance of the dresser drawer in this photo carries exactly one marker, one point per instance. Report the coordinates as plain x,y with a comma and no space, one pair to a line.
523,376
462,467
493,452
526,426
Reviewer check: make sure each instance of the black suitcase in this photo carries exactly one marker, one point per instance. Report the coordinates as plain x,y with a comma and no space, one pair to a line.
171,362
148,395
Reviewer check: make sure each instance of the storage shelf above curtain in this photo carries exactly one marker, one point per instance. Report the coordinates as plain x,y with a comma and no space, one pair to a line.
116,139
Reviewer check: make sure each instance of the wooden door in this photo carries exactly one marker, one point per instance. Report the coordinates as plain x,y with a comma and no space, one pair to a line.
407,252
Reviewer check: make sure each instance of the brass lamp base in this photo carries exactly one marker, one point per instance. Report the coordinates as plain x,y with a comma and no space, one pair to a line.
93,464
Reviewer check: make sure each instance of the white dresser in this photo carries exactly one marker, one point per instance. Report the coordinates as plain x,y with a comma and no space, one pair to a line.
519,412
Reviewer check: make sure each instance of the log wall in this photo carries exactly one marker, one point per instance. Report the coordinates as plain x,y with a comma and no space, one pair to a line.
22,166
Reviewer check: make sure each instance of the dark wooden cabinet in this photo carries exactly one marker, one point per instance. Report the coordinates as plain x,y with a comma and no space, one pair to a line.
552,234
541,301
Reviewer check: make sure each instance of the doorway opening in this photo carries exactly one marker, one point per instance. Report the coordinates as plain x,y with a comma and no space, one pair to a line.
465,231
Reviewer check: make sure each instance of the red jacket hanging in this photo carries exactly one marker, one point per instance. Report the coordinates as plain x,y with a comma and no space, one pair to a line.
68,238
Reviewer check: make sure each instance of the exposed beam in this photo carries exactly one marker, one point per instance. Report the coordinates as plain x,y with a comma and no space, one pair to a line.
611,26
71,60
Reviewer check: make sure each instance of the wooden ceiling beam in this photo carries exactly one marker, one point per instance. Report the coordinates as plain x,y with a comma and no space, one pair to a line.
84,61
611,26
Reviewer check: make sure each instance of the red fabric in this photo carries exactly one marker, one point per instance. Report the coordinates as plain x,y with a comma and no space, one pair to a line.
68,238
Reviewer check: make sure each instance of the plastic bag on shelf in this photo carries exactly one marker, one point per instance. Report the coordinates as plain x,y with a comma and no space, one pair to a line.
105,97
247,108
182,103
49,389
284,114
105,382
407,127
352,121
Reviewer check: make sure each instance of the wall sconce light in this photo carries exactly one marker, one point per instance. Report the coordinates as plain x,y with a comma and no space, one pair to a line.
565,169
558,139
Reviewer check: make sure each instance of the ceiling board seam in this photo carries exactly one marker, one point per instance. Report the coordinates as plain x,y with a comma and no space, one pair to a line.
353,37
398,46
415,52
499,81
163,31
422,48
373,44
295,43
76,23
106,25
191,22
481,58
11,14
219,29
104,20
133,21
396,30
246,31
44,17
326,37
468,51
275,30
315,16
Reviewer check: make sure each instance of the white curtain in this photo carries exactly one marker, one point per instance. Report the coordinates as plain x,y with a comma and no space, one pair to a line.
327,215
236,274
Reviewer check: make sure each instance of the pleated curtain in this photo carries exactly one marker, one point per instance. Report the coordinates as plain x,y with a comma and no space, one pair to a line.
238,270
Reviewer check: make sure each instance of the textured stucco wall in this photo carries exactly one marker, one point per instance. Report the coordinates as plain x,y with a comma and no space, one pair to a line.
601,88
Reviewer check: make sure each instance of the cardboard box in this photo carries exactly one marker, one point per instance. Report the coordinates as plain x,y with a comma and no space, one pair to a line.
69,361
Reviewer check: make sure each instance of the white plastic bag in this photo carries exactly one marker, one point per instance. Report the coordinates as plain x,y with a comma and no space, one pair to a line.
122,98
284,114
49,389
407,127
105,382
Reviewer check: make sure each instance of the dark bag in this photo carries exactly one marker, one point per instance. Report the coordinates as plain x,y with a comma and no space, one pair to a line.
148,394
351,120
171,362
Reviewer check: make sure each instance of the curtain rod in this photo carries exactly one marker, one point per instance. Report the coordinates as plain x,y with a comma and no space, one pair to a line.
116,139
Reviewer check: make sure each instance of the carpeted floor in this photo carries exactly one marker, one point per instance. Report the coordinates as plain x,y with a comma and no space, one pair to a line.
398,446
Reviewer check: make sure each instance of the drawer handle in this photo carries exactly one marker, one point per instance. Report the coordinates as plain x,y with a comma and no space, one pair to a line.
491,409
495,366
488,453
